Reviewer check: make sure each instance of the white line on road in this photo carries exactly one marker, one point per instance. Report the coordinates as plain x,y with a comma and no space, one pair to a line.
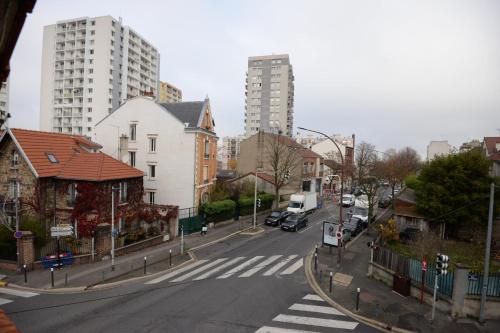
269,329
240,267
276,267
17,292
316,308
298,264
199,270
220,268
260,266
312,297
176,272
4,301
347,325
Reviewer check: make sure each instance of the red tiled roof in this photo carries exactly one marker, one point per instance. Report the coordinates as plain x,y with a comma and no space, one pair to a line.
75,156
492,152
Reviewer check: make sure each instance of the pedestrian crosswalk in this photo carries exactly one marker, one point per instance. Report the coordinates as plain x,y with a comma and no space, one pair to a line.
240,267
311,315
8,295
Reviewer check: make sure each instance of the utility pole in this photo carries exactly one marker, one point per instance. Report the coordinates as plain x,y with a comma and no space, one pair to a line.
486,271
113,189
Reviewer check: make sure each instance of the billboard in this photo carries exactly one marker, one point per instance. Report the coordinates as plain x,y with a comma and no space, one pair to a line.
330,236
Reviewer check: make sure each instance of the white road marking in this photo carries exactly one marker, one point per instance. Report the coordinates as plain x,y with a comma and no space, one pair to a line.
176,272
4,301
199,270
282,263
220,268
269,329
16,292
260,266
316,308
240,267
312,297
298,264
331,323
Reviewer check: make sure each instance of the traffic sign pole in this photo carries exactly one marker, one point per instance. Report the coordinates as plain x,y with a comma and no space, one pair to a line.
424,269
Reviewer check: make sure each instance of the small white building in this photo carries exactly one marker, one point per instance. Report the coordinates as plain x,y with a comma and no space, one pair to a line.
438,148
174,144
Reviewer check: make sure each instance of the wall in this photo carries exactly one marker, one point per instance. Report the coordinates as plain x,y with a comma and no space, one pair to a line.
175,149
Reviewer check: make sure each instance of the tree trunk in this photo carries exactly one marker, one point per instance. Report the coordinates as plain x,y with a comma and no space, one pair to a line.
276,198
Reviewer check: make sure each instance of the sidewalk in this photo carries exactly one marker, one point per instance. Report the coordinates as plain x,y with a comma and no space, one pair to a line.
377,300
80,277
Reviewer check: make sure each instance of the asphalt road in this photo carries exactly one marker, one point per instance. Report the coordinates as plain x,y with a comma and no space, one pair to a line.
244,284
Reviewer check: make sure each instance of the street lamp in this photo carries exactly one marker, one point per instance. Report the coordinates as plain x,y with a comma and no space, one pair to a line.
341,220
113,189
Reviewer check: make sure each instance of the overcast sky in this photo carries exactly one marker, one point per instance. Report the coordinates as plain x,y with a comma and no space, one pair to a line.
395,73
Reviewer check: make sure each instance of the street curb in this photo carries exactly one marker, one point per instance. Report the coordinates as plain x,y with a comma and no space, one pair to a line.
368,321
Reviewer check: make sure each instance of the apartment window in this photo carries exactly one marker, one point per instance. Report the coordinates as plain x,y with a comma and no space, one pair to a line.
89,109
131,158
89,100
90,90
13,187
14,162
91,51
205,174
207,149
151,197
71,194
133,132
91,71
123,191
152,171
91,80
92,32
152,145
92,22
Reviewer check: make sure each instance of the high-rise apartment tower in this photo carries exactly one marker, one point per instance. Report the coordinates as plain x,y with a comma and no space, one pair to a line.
269,95
89,67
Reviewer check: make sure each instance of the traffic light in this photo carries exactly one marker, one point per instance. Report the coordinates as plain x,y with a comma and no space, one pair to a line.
258,202
442,263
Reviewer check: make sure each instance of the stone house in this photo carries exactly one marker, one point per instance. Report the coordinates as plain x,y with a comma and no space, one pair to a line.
306,171
174,144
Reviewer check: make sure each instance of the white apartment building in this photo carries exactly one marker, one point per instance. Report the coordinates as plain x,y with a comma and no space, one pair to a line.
438,148
4,103
90,66
269,95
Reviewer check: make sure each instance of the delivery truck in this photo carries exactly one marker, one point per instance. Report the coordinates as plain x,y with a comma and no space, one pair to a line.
302,203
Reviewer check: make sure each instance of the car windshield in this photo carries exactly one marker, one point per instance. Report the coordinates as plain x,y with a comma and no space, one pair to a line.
294,204
275,214
360,211
292,218
346,197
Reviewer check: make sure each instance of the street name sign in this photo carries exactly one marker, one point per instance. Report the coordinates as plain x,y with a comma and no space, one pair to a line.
61,230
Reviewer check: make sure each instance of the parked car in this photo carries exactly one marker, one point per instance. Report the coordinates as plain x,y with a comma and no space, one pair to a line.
276,218
294,222
346,235
409,234
354,225
348,200
385,202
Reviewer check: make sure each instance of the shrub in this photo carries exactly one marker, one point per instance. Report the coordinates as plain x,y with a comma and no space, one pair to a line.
7,244
246,203
217,211
389,232
38,229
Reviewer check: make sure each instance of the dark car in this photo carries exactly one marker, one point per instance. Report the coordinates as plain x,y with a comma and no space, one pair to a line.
294,222
409,234
276,218
354,225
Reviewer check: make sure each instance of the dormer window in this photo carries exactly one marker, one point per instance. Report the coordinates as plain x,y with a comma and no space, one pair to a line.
52,158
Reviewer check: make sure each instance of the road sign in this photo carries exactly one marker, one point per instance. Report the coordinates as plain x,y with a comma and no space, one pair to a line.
329,232
473,277
61,230
424,265
18,234
339,235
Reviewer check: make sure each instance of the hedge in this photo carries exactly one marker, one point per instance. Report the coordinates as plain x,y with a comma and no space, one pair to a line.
246,203
217,211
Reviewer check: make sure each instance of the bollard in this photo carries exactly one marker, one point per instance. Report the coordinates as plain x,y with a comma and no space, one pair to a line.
52,276
145,262
316,262
170,258
316,248
25,274
66,279
357,299
331,282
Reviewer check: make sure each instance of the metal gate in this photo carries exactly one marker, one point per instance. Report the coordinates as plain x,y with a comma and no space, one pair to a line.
189,220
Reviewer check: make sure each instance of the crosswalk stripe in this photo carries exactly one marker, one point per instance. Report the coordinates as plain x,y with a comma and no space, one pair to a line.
260,266
331,323
4,301
176,272
269,329
16,292
282,263
199,270
240,267
298,264
316,308
220,268
312,297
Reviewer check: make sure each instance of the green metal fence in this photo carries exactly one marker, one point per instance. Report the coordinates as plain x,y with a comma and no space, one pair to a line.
189,220
476,284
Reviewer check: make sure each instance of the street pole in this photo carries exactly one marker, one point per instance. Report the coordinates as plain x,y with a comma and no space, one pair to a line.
16,196
112,228
182,240
255,201
434,296
486,271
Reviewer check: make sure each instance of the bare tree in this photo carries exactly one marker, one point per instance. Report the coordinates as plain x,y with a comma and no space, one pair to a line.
365,158
283,158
